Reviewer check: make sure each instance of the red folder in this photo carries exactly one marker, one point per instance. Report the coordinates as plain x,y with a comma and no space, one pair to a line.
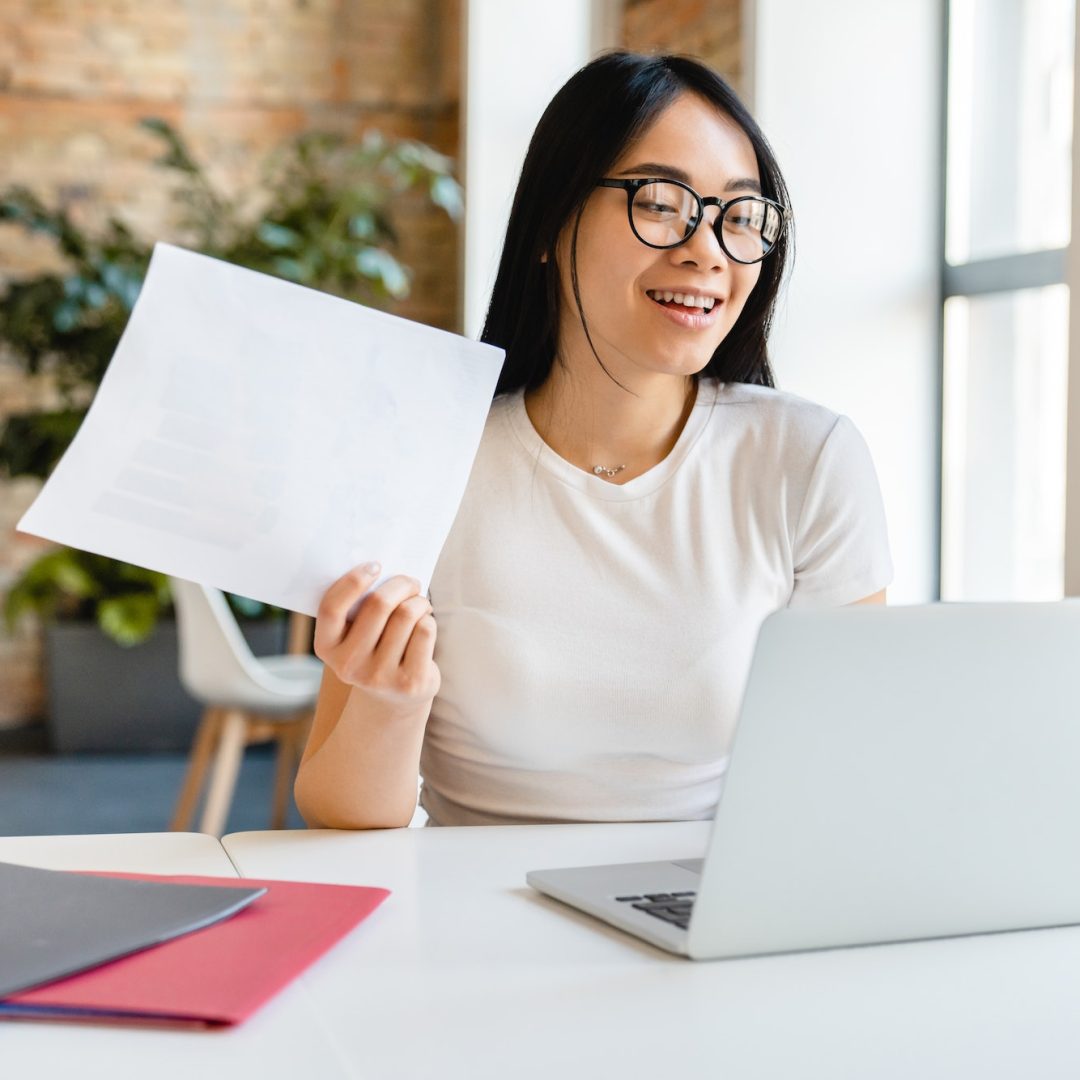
218,975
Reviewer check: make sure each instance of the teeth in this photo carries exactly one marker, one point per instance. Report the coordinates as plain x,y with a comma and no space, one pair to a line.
706,303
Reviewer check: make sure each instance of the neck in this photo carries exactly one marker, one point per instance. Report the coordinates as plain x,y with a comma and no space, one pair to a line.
589,420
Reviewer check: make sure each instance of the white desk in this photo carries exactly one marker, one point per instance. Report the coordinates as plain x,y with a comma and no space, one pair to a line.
263,1047
467,973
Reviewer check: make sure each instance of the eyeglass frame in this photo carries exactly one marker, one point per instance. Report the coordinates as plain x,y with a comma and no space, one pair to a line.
632,187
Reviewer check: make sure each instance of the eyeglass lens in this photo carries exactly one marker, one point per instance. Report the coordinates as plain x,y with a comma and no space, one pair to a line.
665,214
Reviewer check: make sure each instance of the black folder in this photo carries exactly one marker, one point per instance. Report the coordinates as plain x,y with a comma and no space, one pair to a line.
56,922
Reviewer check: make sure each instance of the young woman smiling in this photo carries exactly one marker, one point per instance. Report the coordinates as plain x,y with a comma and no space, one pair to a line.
643,497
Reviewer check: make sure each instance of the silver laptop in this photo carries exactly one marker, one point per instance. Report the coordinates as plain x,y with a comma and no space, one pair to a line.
898,773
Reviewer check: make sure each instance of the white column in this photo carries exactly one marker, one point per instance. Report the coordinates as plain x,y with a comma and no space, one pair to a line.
849,95
517,54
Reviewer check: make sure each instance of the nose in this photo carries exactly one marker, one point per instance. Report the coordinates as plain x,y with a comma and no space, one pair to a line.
703,249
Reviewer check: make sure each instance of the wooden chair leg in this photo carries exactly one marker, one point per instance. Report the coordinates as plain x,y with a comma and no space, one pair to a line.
303,731
286,762
230,753
301,630
201,751
291,739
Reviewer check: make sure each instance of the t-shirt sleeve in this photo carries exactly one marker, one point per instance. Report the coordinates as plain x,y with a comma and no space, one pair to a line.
841,545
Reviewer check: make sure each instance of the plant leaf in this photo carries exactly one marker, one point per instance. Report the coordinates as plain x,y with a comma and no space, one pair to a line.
445,191
277,236
380,265
129,618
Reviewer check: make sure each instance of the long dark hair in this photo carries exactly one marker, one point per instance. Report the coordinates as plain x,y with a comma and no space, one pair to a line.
589,122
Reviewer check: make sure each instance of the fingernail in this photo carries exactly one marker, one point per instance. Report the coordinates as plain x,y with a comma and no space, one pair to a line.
372,567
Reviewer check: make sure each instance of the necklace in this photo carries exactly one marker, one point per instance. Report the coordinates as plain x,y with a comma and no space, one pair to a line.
603,470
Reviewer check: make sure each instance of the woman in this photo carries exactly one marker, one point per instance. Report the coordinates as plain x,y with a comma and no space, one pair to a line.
642,497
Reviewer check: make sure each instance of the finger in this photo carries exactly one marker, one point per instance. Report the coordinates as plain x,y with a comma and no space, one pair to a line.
391,646
420,650
375,611
331,620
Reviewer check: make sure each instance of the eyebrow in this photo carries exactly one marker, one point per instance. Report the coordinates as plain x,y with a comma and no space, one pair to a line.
655,168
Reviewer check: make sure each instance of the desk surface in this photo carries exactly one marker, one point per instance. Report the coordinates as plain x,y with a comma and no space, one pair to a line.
465,972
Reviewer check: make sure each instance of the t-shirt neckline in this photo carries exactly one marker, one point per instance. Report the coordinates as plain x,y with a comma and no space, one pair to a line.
594,486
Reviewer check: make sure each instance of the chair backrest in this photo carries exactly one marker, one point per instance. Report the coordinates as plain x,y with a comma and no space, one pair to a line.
216,664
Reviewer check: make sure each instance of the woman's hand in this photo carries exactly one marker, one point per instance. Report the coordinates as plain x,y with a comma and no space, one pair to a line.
361,761
386,651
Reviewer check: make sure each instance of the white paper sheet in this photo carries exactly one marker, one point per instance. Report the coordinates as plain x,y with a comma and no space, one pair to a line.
263,438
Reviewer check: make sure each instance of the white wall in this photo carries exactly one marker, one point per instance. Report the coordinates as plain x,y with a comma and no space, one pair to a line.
517,54
1072,454
849,95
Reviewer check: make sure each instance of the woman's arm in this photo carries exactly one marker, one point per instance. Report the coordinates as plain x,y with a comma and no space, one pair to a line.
360,765
877,598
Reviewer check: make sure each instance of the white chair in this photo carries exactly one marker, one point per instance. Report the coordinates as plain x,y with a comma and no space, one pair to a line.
247,699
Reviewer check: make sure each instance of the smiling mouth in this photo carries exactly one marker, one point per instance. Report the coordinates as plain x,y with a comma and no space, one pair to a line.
687,303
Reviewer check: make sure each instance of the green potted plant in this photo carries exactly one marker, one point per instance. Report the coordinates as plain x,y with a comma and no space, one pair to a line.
322,215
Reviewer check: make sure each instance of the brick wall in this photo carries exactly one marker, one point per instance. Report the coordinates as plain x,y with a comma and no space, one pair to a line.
710,30
235,76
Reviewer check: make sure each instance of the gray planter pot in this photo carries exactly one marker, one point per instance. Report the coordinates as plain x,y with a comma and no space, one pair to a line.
104,697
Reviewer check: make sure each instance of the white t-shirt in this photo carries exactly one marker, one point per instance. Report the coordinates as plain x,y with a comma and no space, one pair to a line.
594,639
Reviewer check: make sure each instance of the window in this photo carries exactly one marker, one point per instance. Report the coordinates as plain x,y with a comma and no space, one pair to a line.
1007,226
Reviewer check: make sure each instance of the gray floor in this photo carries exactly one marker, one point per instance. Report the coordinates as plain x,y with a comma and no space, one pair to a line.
46,794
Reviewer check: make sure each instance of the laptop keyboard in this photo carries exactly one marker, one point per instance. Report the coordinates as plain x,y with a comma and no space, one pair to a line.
672,907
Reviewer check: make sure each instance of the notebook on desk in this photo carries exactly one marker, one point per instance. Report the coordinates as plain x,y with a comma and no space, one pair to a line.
897,773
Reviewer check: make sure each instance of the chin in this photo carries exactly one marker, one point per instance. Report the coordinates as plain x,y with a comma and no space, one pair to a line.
682,361
688,365
658,357
673,371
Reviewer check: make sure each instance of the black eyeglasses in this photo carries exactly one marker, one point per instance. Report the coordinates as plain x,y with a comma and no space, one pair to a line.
666,213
